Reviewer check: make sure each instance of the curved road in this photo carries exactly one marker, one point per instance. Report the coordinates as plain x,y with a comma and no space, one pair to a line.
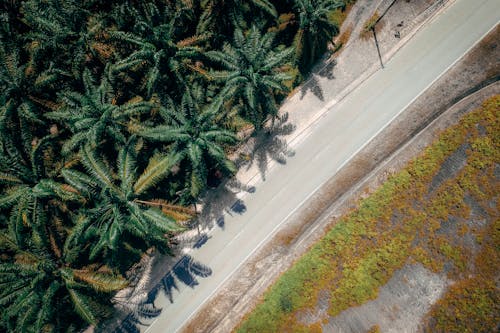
342,132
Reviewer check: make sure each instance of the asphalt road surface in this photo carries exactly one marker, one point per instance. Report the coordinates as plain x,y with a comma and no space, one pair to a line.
345,129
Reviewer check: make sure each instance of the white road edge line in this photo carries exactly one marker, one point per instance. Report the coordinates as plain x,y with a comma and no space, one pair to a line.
318,187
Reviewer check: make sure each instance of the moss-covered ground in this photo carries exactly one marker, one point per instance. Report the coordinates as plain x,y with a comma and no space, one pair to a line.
441,210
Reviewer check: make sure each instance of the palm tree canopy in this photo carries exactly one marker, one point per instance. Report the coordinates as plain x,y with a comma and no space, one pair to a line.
94,116
113,114
158,45
41,283
222,16
315,29
196,137
117,214
253,73
25,188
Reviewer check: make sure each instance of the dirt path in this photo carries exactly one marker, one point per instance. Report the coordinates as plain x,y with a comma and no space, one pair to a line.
481,67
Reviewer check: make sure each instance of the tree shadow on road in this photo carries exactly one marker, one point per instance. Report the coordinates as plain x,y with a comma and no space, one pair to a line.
220,201
269,145
186,271
312,83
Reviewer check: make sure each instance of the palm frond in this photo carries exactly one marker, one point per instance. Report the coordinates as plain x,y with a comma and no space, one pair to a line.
101,282
80,181
49,188
164,133
161,221
178,213
159,166
96,168
9,198
127,164
83,306
45,311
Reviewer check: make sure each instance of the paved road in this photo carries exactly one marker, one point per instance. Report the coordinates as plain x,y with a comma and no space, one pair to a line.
345,129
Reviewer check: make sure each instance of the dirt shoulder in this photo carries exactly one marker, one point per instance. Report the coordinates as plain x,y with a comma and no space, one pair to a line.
462,87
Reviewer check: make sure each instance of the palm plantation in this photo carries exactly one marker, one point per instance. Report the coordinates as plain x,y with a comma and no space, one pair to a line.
115,116
43,285
114,217
160,54
221,17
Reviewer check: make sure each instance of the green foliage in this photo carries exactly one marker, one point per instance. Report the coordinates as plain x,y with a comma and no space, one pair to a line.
160,52
40,288
222,17
315,29
197,139
115,216
252,73
93,117
111,112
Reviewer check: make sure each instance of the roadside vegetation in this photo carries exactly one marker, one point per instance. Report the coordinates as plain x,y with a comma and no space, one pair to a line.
441,210
114,118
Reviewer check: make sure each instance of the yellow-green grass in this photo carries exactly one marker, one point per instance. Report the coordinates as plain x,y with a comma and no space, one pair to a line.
401,222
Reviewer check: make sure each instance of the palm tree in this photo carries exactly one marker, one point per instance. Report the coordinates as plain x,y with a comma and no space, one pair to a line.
221,17
94,117
120,212
58,29
26,189
253,73
315,29
196,138
42,291
20,117
166,57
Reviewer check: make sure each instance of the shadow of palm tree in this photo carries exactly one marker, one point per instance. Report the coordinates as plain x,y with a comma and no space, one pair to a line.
269,145
186,271
223,200
133,321
216,203
312,84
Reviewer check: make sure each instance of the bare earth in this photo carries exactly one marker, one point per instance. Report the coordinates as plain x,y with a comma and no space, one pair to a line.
461,89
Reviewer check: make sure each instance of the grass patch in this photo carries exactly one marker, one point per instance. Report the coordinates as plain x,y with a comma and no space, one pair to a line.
338,17
343,39
371,22
472,304
364,248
